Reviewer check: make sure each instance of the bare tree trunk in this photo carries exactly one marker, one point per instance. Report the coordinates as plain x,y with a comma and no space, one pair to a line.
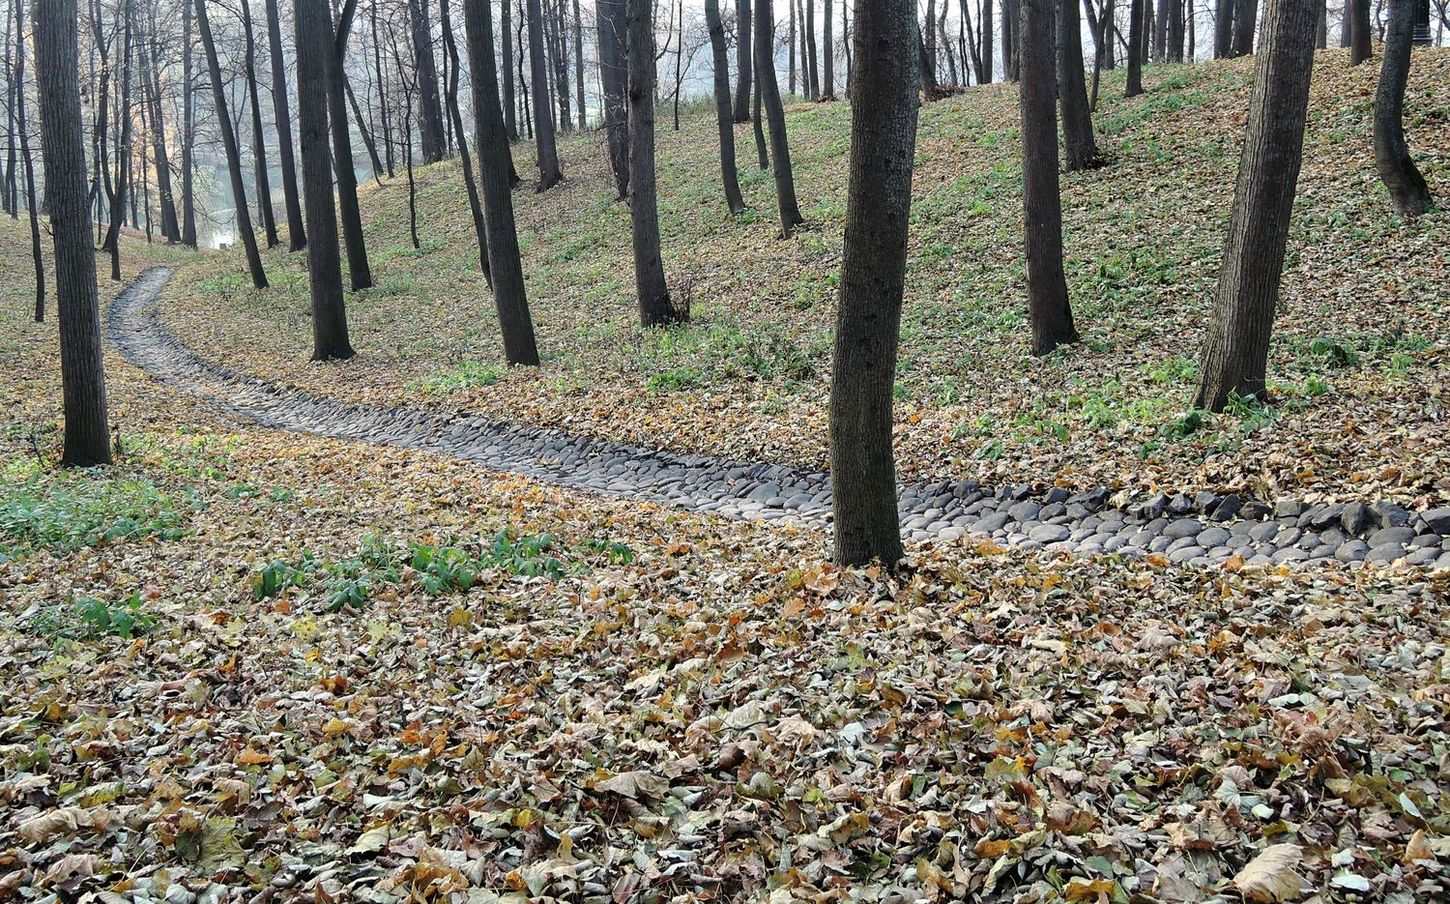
259,137
281,111
790,212
1321,32
549,172
315,45
112,242
985,27
722,107
1160,31
758,127
1236,350
170,226
613,26
812,54
1049,313
359,270
1176,32
1011,42
188,132
233,152
494,166
31,201
1360,34
1080,148
83,378
1407,187
382,84
1223,29
873,276
1346,28
791,46
430,112
828,81
558,47
655,306
743,54
505,27
1135,49
369,144
679,64
579,67
475,206
1246,18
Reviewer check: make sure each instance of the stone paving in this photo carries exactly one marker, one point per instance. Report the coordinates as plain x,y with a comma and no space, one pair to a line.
1204,529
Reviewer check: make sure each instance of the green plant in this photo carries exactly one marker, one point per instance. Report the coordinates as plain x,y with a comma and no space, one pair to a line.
615,552
526,555
1332,352
64,512
1184,425
90,618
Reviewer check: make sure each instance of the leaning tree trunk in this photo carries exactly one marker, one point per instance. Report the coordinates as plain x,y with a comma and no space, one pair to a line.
1135,49
324,265
23,128
359,270
188,132
655,306
296,232
1236,351
170,227
790,212
743,55
757,125
494,166
1246,17
1407,187
450,99
1360,35
873,275
259,137
1079,147
83,379
430,112
722,107
233,152
1049,313
612,25
549,171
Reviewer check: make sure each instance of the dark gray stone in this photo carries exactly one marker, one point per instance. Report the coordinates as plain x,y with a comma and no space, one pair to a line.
1391,536
1437,519
1355,518
1184,527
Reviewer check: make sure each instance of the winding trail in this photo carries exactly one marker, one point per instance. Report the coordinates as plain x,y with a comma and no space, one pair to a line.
1202,530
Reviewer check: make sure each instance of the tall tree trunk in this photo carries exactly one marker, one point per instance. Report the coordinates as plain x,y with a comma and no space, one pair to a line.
986,40
791,46
873,276
505,27
929,86
259,137
1176,33
743,53
381,77
1246,19
1346,26
722,107
31,201
369,144
1407,187
1135,48
1160,30
1011,42
188,132
494,166
1223,29
1049,313
281,111
233,152
1236,351
1081,150
655,306
828,80
112,242
790,212
359,270
579,67
1360,34
613,25
549,172
430,112
315,45
1321,31
475,206
558,53
83,379
757,124
813,58
170,227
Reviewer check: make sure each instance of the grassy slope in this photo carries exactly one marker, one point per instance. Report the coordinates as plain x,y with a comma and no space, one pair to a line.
749,376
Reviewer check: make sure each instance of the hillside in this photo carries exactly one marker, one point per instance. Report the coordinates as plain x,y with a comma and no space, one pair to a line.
1358,361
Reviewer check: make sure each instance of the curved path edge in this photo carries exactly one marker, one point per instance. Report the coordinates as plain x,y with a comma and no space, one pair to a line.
1202,530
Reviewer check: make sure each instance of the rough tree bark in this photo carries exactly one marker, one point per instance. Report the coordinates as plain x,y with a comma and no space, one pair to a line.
314,44
790,212
1236,350
549,171
510,115
722,107
1406,185
1049,313
579,67
873,274
1079,146
813,67
1135,49
613,25
1360,33
1223,29
828,77
1246,18
494,167
259,137
743,53
281,110
359,269
23,129
655,306
450,99
83,379
433,145
233,152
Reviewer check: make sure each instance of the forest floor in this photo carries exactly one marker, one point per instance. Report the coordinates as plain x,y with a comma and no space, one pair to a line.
268,665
